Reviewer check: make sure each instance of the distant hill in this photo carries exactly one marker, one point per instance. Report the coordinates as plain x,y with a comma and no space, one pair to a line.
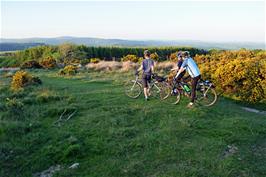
133,43
4,46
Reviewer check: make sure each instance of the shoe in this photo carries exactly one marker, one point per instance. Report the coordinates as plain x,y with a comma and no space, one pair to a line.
146,99
190,105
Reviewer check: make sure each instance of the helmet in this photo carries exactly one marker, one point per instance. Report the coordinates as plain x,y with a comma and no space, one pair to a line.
185,54
147,53
179,54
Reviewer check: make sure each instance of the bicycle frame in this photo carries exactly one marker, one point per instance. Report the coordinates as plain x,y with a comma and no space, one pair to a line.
150,85
135,81
204,87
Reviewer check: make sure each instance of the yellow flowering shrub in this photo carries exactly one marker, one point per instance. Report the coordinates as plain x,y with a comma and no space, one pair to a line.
238,74
48,63
68,70
95,60
155,56
132,58
22,79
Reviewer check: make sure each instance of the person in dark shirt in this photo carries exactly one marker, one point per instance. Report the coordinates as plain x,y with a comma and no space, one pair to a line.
147,67
179,64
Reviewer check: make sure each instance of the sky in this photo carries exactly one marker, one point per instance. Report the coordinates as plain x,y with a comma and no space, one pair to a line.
222,21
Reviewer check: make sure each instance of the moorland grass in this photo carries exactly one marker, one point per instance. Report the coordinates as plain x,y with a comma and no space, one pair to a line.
113,135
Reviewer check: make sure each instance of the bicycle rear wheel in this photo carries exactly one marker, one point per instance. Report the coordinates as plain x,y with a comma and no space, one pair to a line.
206,97
133,89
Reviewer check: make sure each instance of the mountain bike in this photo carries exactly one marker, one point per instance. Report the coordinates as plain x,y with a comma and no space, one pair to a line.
205,92
157,86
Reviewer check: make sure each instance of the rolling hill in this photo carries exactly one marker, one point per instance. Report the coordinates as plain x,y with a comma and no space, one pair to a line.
132,43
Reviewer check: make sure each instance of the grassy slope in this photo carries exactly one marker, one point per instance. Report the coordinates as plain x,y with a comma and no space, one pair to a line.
113,135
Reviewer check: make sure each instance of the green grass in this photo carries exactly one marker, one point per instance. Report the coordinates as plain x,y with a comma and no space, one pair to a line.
113,135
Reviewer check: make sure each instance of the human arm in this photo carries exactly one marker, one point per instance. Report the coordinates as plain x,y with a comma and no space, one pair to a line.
182,68
140,68
180,71
174,69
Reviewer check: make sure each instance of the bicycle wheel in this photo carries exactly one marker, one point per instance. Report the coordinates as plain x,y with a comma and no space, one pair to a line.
155,90
133,89
206,97
174,97
165,90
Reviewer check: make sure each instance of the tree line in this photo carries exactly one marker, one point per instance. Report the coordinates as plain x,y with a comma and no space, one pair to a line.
81,52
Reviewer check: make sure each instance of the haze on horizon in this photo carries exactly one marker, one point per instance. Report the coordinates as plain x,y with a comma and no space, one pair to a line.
223,21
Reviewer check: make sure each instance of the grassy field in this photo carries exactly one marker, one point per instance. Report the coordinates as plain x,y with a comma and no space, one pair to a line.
113,135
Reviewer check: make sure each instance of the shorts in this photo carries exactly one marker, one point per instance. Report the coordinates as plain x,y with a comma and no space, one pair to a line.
145,79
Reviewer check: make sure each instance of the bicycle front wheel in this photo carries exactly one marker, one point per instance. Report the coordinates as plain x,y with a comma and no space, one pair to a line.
207,97
132,89
174,97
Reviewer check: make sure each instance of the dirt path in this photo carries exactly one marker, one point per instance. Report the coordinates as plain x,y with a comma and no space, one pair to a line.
254,110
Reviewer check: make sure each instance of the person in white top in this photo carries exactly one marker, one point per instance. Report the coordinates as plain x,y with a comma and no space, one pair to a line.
191,67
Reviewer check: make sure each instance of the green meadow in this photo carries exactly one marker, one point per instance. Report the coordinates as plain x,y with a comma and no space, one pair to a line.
87,119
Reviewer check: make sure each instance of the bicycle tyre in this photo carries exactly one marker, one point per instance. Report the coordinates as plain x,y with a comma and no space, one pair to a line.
209,99
133,92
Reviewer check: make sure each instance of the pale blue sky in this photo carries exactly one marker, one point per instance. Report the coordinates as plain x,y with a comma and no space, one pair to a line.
192,20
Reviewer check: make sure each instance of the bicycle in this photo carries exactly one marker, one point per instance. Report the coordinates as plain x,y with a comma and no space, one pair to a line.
134,88
205,92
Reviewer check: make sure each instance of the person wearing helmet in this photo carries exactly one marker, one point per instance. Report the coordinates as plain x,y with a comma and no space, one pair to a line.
191,67
179,64
147,67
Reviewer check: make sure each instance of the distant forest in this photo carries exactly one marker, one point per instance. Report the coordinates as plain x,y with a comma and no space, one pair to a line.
17,46
69,53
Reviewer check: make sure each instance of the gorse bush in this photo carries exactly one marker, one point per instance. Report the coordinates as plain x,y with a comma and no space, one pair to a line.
48,63
155,56
173,57
68,70
95,60
32,64
22,79
132,58
238,74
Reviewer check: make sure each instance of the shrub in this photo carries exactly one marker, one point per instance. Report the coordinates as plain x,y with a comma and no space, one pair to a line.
48,63
68,70
31,65
22,79
155,56
84,61
237,74
95,60
173,57
132,58
73,62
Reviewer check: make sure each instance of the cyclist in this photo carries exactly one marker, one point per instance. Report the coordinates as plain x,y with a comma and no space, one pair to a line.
179,64
191,67
147,67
